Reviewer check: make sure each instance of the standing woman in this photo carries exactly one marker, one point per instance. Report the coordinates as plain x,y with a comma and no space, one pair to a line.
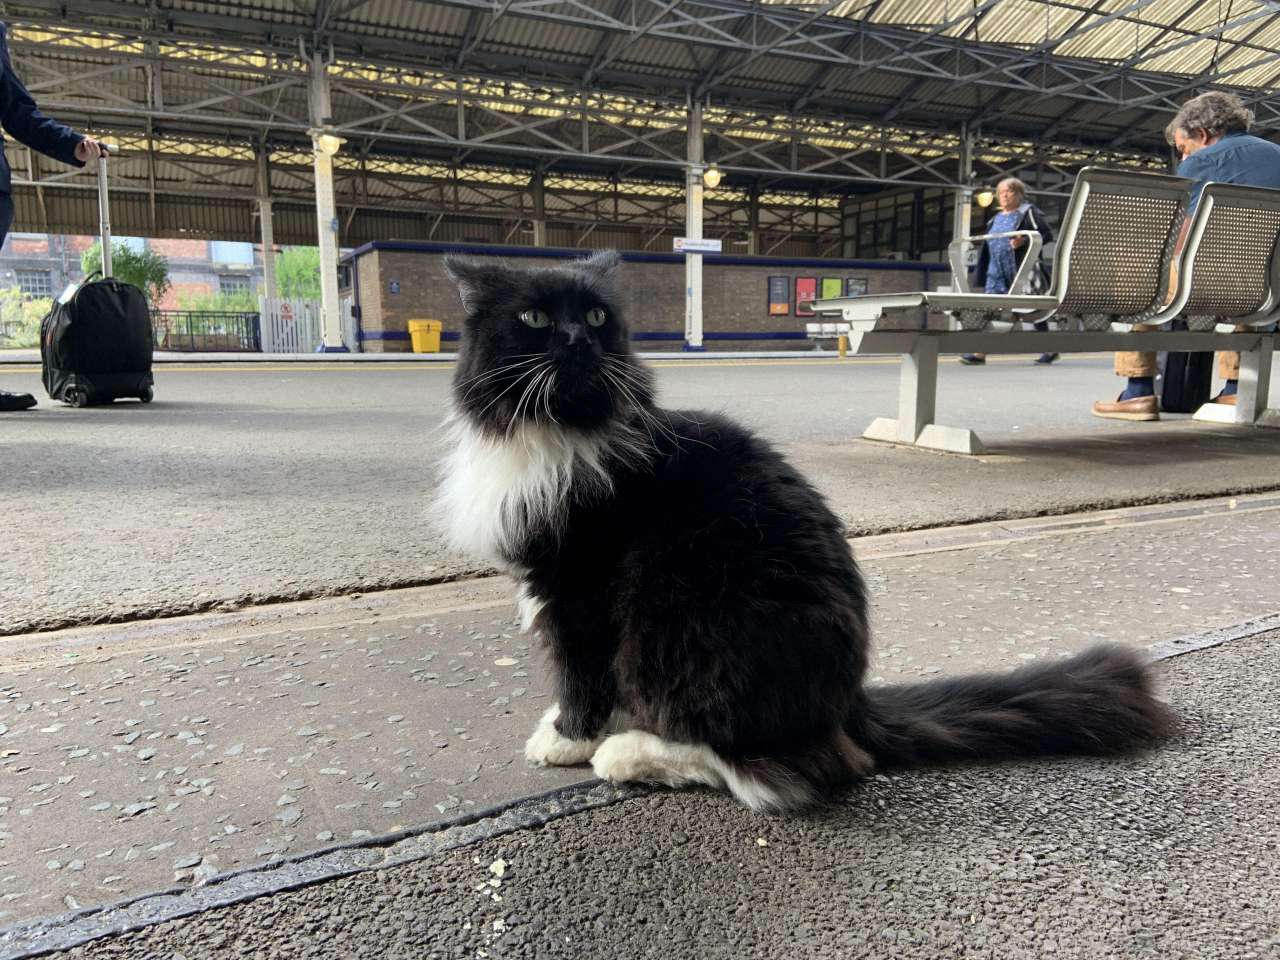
1000,259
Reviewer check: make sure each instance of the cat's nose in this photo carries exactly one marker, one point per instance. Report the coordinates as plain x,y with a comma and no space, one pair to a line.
574,332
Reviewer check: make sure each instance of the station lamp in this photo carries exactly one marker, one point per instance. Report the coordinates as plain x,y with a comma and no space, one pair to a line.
711,176
326,141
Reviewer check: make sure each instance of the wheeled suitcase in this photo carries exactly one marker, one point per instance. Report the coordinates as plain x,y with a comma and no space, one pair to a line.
96,342
1187,381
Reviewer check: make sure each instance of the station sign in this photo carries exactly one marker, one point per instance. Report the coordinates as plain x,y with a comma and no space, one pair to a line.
686,245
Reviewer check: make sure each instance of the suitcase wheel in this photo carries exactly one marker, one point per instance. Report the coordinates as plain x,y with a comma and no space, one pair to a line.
146,395
78,398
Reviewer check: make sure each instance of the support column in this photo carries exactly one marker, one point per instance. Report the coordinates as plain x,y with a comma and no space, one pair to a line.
539,211
266,226
324,146
961,225
693,231
753,221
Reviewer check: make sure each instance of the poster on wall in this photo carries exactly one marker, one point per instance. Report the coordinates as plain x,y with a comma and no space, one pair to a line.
857,287
779,296
806,291
832,288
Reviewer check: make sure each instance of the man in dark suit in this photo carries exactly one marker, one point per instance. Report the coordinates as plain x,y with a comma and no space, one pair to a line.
23,121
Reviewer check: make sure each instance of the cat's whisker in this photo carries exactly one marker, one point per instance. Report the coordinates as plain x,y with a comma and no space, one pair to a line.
529,401
493,383
547,391
497,370
528,391
487,406
646,420
477,381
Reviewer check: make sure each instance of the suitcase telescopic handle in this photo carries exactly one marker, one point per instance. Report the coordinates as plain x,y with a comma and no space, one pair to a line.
104,209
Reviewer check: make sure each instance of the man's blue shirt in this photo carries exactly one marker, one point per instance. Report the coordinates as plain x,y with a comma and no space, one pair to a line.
1236,158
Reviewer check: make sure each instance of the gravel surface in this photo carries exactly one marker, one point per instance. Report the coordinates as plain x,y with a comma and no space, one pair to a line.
1174,854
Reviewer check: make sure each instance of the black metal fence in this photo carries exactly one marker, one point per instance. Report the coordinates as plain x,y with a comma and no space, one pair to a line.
207,331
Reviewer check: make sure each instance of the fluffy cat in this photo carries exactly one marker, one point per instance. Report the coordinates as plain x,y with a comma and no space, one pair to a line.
705,618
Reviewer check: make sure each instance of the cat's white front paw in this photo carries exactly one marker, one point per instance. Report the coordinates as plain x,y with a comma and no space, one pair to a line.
547,747
628,758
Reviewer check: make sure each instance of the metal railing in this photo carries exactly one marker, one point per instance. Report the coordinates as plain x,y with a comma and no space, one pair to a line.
207,331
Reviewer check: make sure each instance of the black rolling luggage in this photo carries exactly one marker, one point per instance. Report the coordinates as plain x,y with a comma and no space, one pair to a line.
1188,381
96,343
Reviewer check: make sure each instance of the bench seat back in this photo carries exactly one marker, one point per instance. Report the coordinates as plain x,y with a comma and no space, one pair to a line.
1117,241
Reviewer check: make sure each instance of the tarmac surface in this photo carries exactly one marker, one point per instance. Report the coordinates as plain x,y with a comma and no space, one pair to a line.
248,483
362,746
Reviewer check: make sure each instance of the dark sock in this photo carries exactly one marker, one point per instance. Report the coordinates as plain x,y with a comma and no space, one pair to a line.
1139,387
1228,389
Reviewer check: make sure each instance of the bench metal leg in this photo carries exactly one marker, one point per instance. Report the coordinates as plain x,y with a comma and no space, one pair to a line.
1268,390
917,404
1253,391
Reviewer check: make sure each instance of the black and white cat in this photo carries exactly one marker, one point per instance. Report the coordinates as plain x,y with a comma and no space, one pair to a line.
706,621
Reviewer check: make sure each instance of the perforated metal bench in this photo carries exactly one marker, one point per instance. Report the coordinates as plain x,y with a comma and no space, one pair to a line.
1111,273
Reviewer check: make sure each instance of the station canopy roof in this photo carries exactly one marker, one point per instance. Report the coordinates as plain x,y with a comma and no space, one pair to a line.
817,98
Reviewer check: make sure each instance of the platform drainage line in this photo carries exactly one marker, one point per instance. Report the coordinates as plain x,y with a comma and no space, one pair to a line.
1167,649
34,938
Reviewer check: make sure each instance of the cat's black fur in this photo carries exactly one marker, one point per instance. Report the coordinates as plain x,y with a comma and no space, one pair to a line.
695,581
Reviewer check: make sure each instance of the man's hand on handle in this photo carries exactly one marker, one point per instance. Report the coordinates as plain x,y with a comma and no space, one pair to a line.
89,148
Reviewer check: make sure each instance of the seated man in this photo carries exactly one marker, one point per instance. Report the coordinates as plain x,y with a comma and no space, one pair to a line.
1211,135
1210,132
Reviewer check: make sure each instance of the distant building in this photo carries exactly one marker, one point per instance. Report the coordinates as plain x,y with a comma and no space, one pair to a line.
43,264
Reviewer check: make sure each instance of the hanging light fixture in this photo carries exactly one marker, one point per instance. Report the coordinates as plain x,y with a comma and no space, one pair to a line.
984,198
711,176
326,141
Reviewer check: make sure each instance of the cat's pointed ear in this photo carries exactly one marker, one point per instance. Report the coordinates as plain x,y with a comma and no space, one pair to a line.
602,265
471,277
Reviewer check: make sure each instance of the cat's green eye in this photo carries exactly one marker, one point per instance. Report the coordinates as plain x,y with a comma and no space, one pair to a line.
535,318
596,317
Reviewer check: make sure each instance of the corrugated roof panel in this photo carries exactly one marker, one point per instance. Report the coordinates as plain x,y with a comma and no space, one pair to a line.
557,41
1022,23
273,11
914,13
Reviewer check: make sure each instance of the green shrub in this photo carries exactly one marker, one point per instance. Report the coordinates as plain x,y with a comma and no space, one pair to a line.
147,271
20,318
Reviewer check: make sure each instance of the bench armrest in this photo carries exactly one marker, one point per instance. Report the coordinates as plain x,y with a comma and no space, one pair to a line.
960,270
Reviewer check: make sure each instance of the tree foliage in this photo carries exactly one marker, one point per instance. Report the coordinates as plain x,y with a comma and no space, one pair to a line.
147,271
298,273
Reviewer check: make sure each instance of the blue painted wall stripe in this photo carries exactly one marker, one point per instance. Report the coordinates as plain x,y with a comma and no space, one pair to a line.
450,335
709,259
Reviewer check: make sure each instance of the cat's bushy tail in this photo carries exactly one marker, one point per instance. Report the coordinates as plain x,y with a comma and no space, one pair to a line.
1097,702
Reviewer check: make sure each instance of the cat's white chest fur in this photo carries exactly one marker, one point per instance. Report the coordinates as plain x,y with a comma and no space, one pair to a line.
496,491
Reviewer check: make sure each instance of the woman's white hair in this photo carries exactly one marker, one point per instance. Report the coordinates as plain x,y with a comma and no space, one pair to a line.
1018,186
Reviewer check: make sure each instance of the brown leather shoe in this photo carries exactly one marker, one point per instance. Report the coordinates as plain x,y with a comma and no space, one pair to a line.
1228,398
1136,408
